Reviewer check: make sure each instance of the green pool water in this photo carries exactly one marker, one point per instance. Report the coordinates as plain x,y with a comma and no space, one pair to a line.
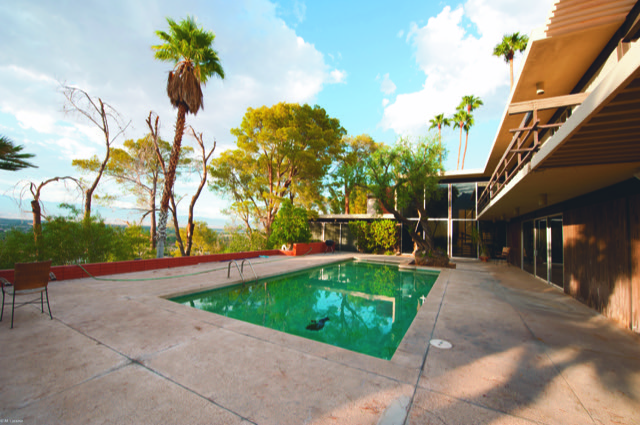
370,306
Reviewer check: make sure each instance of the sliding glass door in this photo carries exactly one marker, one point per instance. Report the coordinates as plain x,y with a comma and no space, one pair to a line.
542,249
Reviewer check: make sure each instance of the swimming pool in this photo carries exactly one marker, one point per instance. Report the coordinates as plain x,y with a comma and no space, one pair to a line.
363,307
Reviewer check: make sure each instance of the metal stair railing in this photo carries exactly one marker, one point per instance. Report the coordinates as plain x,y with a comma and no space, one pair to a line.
250,265
237,267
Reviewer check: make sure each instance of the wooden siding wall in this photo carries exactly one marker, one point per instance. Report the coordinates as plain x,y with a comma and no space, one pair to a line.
601,252
634,235
513,241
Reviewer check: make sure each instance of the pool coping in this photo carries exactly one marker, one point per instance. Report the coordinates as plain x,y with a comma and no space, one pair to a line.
406,347
522,353
404,366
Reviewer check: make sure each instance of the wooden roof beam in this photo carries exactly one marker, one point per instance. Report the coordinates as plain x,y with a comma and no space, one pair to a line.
547,103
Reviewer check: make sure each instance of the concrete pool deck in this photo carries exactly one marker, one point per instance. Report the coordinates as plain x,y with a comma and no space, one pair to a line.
117,352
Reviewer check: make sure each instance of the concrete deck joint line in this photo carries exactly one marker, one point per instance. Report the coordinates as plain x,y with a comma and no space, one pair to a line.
139,363
166,378
124,353
546,354
426,353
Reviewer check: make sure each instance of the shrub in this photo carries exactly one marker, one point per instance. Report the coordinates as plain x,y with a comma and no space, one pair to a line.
383,235
360,231
204,241
291,225
238,240
378,236
70,240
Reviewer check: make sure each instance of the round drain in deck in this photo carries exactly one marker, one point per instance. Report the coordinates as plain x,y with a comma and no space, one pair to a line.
445,345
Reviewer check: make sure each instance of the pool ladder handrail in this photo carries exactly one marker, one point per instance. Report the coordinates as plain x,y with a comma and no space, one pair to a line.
240,268
250,265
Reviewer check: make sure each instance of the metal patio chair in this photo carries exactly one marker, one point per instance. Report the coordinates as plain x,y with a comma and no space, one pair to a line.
504,257
28,278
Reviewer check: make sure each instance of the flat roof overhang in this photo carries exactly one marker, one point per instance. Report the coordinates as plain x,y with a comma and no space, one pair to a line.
598,146
558,55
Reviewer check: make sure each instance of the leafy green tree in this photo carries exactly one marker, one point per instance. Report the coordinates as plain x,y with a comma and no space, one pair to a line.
204,240
438,122
510,44
399,175
137,170
291,225
10,157
350,170
102,115
190,49
240,240
283,151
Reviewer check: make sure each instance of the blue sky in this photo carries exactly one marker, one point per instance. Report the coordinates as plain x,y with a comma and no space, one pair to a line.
381,68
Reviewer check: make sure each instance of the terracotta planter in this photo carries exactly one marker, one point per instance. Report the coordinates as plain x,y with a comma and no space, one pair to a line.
484,258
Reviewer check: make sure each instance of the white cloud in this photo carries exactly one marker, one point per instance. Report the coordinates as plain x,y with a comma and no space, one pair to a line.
299,10
338,76
385,102
456,62
265,62
387,86
400,34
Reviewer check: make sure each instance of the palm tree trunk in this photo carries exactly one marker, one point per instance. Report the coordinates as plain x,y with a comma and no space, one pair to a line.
169,179
465,148
459,148
511,71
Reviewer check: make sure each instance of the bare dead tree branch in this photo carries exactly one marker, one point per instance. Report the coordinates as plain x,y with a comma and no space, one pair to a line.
100,114
203,180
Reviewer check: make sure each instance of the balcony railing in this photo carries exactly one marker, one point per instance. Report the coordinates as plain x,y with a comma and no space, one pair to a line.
525,141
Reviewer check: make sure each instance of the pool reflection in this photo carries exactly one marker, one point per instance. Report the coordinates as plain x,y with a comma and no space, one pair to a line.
369,306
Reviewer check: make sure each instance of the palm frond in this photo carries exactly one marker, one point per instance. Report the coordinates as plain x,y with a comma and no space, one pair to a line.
10,157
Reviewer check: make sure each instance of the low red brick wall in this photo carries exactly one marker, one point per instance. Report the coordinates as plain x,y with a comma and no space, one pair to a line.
101,269
118,267
306,249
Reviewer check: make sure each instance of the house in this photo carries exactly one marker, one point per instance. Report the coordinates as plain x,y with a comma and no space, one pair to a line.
561,185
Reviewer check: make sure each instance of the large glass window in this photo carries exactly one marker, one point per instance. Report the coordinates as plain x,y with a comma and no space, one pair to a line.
438,205
461,239
527,246
439,233
541,249
557,254
463,201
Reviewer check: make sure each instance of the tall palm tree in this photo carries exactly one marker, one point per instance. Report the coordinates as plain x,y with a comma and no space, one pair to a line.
190,49
460,118
439,121
10,157
470,103
507,48
468,123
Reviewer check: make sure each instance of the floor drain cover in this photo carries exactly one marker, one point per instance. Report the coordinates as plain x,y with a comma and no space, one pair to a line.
445,345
